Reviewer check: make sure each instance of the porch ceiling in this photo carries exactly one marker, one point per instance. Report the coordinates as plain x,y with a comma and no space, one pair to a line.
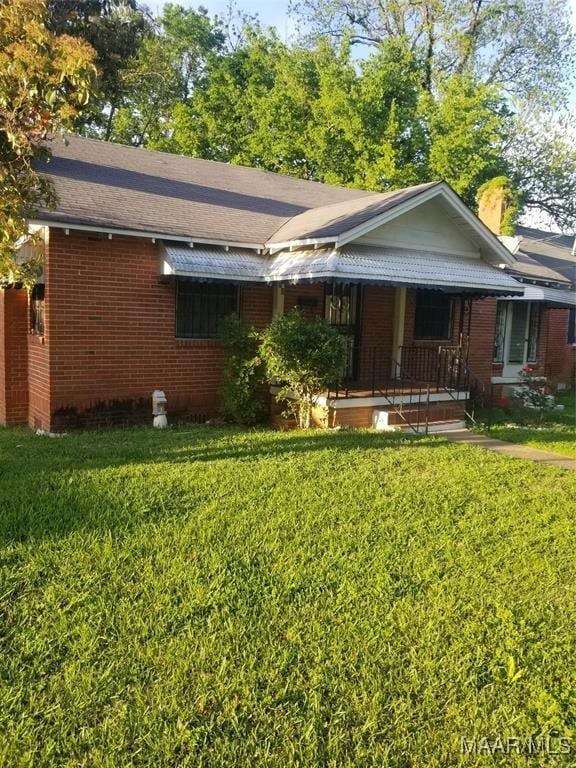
351,263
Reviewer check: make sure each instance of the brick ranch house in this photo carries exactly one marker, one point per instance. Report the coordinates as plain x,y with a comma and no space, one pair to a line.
146,252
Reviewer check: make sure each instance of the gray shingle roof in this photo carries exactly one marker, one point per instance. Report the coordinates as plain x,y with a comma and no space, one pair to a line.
103,184
545,254
337,218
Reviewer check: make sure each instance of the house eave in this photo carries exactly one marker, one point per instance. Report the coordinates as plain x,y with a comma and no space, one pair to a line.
149,235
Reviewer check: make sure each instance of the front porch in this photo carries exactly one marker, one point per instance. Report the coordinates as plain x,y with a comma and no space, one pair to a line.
394,378
420,388
418,385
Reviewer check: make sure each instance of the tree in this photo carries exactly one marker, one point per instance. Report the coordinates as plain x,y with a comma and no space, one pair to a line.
395,137
468,129
45,82
116,30
306,357
525,47
163,74
542,161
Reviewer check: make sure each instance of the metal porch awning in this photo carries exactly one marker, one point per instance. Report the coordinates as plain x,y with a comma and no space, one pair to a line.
560,298
208,264
394,266
354,264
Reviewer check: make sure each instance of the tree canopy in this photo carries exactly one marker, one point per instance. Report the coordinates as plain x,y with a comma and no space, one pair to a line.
525,47
452,89
45,82
116,30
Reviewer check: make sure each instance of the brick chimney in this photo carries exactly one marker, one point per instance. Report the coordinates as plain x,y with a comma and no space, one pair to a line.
492,204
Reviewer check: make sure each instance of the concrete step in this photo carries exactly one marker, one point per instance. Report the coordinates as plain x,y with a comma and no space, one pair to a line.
436,426
388,418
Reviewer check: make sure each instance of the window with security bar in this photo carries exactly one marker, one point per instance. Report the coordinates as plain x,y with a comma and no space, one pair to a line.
433,317
201,307
342,310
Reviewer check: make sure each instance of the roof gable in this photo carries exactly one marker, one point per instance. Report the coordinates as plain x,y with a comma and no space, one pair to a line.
347,222
426,227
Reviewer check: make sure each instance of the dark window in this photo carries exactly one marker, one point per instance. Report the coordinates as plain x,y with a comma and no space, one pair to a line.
433,315
572,326
37,309
201,307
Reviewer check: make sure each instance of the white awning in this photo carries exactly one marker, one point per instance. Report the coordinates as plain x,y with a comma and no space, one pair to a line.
205,263
355,264
555,297
394,266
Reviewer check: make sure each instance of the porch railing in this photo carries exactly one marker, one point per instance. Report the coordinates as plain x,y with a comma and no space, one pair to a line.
375,372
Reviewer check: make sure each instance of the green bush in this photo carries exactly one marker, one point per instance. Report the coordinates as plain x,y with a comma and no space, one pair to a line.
244,373
305,357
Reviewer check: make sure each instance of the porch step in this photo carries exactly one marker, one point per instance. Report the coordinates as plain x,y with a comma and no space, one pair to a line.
440,416
436,426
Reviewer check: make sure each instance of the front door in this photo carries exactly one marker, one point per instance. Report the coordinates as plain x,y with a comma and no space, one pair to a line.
342,310
519,322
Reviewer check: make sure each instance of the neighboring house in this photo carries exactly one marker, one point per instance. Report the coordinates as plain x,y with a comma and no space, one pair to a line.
536,329
146,252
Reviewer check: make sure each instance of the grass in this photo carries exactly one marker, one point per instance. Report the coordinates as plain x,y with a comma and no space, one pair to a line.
213,597
553,431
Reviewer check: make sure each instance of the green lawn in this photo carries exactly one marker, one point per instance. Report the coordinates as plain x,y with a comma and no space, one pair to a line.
553,431
212,597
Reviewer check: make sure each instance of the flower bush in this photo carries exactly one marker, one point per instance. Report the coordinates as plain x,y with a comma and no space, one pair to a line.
534,391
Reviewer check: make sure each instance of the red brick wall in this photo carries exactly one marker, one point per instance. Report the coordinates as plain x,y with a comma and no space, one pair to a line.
13,357
378,316
110,334
555,356
481,349
561,356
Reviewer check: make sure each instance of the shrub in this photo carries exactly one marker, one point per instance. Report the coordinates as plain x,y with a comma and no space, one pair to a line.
244,373
534,391
305,357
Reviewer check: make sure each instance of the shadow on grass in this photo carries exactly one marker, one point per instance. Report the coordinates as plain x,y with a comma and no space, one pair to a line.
528,435
45,491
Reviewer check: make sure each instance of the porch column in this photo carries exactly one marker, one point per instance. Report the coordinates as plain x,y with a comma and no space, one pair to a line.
277,300
399,322
398,337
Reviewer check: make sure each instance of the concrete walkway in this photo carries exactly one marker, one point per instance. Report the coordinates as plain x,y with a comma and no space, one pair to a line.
509,449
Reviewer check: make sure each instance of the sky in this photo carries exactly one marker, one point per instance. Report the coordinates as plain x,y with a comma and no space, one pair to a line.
274,13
